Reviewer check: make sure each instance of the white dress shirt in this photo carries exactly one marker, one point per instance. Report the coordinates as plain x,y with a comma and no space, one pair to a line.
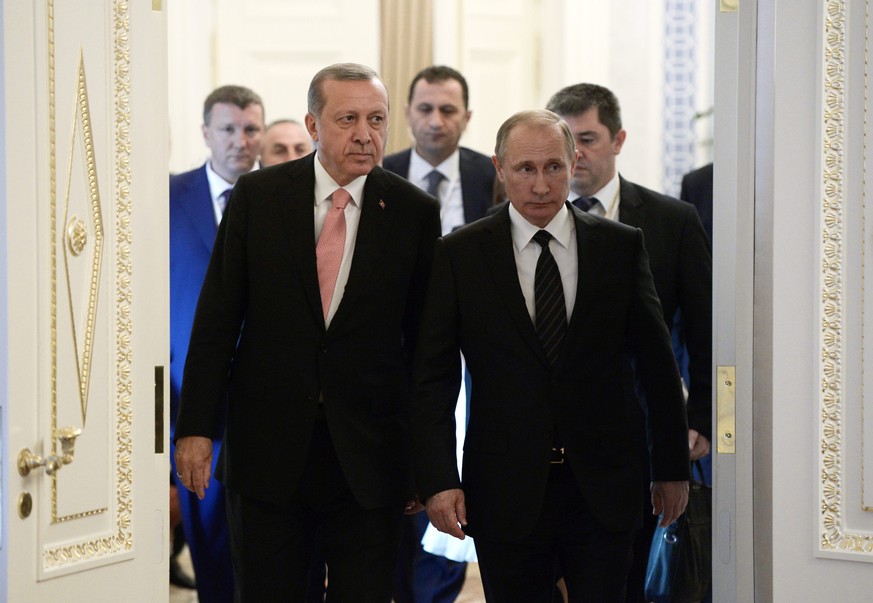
324,188
609,198
217,185
449,191
527,252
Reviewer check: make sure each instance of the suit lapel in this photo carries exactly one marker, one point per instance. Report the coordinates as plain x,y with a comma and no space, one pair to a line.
467,193
200,210
371,242
631,209
296,193
587,242
497,249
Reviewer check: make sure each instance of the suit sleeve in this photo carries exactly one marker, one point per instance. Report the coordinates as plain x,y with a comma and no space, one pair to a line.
217,322
436,383
695,303
666,424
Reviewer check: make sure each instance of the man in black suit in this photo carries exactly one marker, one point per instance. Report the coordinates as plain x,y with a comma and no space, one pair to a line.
697,190
463,181
679,256
304,330
437,114
550,469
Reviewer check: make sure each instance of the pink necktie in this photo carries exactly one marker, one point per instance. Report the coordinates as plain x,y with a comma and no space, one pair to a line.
329,249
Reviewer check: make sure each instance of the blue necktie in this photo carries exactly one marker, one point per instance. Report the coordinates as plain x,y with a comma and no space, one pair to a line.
585,204
223,199
433,183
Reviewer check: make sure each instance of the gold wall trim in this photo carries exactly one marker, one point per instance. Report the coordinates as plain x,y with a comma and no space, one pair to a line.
82,126
835,536
120,537
123,274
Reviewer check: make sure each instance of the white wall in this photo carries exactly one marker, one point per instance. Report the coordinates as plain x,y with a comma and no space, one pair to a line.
514,53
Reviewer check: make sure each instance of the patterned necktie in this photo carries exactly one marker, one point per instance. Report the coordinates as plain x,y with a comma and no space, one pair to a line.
433,183
585,204
551,313
329,249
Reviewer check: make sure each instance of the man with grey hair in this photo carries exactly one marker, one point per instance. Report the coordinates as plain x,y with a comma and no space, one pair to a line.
233,122
679,255
304,334
284,140
550,465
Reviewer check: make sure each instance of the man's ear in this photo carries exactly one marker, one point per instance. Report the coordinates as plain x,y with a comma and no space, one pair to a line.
618,141
497,167
309,120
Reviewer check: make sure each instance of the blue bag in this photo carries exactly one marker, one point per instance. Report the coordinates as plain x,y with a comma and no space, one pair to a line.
680,559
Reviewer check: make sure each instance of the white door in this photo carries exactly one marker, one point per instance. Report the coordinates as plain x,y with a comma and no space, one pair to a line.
733,284
83,277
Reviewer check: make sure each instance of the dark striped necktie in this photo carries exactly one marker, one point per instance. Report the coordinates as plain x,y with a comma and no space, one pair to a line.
551,313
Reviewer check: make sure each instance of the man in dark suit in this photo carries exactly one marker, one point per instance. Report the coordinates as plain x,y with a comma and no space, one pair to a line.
463,180
550,469
304,332
679,256
233,123
437,115
697,190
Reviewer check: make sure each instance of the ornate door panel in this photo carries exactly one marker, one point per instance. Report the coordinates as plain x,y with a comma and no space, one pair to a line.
85,330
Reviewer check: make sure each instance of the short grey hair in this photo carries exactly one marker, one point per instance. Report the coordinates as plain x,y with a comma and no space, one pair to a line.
534,117
342,72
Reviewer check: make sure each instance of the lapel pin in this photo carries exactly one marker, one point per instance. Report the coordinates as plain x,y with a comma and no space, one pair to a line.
381,204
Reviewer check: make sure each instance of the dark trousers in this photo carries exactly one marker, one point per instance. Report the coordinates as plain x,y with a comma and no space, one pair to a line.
421,576
593,561
273,544
642,544
206,531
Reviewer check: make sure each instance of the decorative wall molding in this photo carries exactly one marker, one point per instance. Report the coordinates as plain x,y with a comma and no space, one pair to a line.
840,534
680,78
105,546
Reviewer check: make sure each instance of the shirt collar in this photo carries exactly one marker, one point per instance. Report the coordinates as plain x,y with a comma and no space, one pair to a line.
325,185
419,168
217,184
608,195
561,228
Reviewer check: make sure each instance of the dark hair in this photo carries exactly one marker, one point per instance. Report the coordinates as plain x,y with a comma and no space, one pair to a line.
440,73
534,117
343,72
578,98
240,96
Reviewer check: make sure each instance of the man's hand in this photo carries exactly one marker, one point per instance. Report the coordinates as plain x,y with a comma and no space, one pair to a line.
194,463
698,445
446,510
669,500
413,506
